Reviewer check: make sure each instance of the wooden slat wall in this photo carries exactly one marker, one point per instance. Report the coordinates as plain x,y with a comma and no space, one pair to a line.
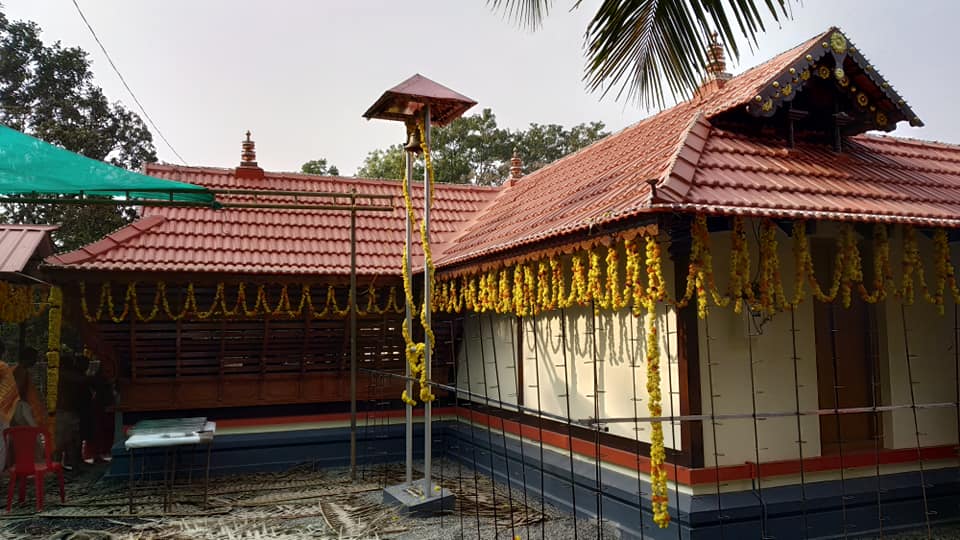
165,364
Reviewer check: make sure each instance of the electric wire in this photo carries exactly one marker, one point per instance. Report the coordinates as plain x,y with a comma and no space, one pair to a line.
125,85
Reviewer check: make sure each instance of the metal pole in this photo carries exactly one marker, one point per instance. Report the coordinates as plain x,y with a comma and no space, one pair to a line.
427,407
353,334
409,322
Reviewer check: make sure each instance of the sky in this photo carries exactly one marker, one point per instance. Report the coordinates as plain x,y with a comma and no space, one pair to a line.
299,74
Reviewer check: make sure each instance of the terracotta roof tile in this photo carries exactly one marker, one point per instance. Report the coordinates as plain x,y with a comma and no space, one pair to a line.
694,165
699,169
877,178
270,241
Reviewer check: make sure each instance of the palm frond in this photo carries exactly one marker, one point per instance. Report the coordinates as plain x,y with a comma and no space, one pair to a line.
645,48
527,13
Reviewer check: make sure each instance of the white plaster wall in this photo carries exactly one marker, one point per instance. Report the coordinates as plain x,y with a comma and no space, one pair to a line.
621,370
489,350
774,386
620,374
931,342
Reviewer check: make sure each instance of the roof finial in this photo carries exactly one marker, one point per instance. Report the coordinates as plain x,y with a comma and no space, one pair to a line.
516,166
248,158
716,61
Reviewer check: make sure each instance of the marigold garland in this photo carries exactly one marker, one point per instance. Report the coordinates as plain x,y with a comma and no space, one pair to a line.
189,306
772,298
416,351
17,303
658,474
741,289
54,322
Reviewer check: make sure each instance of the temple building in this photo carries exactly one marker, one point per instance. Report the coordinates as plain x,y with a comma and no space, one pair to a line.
736,317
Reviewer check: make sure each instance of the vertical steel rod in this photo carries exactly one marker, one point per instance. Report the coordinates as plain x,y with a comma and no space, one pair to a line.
536,363
756,432
956,363
908,356
488,411
516,334
456,408
473,435
409,321
503,427
353,334
598,464
428,344
796,397
566,396
673,423
634,364
713,419
876,396
836,411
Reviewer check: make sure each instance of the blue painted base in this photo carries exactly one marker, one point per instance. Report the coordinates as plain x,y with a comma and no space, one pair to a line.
823,509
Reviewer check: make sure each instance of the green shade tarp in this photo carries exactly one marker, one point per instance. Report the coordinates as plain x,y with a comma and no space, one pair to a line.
29,165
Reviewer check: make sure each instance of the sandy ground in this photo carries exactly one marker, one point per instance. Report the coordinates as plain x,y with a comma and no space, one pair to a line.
301,503
304,503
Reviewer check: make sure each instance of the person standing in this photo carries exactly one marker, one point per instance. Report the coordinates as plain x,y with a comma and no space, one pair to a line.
103,401
67,438
31,410
9,397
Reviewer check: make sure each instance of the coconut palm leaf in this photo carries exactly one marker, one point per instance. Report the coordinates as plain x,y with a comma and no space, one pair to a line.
529,13
642,49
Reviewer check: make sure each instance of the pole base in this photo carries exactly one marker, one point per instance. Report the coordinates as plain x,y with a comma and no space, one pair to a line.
412,500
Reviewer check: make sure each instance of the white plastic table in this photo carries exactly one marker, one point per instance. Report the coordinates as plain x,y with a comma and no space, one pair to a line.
170,434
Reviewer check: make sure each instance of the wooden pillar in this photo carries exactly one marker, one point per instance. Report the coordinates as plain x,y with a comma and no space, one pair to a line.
518,363
263,353
688,344
307,317
221,375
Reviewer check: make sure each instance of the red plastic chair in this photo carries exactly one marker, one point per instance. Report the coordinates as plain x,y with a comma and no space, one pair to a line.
23,441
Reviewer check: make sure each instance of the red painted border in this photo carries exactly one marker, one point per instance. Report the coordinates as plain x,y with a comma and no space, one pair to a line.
709,475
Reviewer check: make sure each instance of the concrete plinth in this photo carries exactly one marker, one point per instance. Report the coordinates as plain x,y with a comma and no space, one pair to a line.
411,499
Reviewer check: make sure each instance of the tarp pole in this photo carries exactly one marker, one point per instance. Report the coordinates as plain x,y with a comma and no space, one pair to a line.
428,345
353,334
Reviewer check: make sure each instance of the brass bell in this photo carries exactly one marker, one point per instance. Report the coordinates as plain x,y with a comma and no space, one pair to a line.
413,139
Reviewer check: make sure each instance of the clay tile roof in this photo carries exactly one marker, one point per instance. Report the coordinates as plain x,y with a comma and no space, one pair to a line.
694,165
699,168
877,178
271,241
19,244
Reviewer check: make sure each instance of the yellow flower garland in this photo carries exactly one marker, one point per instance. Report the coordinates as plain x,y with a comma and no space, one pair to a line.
658,474
132,310
17,303
416,351
53,347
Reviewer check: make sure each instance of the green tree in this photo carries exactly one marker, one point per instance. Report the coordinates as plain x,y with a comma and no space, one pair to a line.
386,163
319,166
474,150
644,47
48,91
541,145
